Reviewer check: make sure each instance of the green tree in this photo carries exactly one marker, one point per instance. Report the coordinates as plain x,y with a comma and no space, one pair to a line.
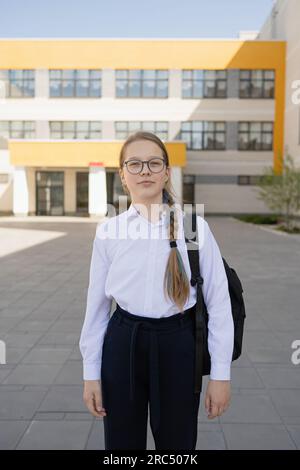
281,193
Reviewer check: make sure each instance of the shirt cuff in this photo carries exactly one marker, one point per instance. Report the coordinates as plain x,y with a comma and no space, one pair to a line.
220,370
91,371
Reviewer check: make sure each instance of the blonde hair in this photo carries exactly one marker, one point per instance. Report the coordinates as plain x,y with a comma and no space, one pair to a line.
176,282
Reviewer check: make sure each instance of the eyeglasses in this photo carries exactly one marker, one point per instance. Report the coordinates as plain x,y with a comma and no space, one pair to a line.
135,167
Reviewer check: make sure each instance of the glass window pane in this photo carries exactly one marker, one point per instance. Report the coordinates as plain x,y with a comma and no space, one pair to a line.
16,134
208,125
95,125
70,74
162,126
256,89
82,88
268,89
82,125
198,89
257,74
95,74
162,74
269,74
148,126
267,126
243,141
267,141
28,74
68,126
55,88
121,126
134,88
82,135
55,125
55,135
243,126
255,138
255,126
162,88
221,73
197,140
121,88
198,74
208,140
82,74
220,140
148,88
29,125
16,74
245,89
95,135
55,74
244,74
186,74
149,74
197,125
135,74
220,126
16,125
187,89
210,74
209,88
68,88
134,126
29,135
121,73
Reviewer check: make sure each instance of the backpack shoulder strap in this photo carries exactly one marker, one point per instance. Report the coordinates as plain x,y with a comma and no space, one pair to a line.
196,279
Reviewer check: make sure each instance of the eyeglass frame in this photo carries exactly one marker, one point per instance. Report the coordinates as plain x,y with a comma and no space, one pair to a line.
145,161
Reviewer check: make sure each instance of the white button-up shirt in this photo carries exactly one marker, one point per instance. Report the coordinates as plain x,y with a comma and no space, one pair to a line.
128,264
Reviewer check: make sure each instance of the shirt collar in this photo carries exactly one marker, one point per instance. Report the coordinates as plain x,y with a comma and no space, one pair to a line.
133,211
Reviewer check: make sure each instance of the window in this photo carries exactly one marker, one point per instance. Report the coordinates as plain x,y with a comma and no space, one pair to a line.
204,135
71,83
204,84
248,179
255,135
19,83
75,130
17,129
124,128
257,83
142,83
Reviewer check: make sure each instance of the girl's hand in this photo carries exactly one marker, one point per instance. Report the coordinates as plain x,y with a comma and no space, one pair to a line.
92,397
217,397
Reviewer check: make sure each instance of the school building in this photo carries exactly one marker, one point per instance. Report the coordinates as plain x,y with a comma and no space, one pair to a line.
67,105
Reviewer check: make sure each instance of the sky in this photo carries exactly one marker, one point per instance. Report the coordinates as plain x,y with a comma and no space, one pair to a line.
131,18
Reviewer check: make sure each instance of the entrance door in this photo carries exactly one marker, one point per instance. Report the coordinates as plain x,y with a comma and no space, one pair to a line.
49,192
82,192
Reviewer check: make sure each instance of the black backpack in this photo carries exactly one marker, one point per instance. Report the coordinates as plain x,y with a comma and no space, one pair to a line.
202,356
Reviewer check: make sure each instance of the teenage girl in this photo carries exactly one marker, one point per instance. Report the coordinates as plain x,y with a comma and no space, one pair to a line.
144,353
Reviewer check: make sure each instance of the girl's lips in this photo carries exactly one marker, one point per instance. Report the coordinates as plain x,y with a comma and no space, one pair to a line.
147,183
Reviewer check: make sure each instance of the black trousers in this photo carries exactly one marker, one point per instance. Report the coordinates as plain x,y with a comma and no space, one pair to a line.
149,361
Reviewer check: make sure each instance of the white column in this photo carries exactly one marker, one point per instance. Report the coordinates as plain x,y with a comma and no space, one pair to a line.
176,181
20,191
97,191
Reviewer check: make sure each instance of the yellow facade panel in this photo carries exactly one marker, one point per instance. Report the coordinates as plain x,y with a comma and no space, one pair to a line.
79,153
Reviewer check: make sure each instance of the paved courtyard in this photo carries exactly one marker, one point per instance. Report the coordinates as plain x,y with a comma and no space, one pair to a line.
44,266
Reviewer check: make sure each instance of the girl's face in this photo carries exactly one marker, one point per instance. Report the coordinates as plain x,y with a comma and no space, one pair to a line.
144,150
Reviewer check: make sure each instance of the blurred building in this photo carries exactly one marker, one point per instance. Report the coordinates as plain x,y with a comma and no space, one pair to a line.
67,105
